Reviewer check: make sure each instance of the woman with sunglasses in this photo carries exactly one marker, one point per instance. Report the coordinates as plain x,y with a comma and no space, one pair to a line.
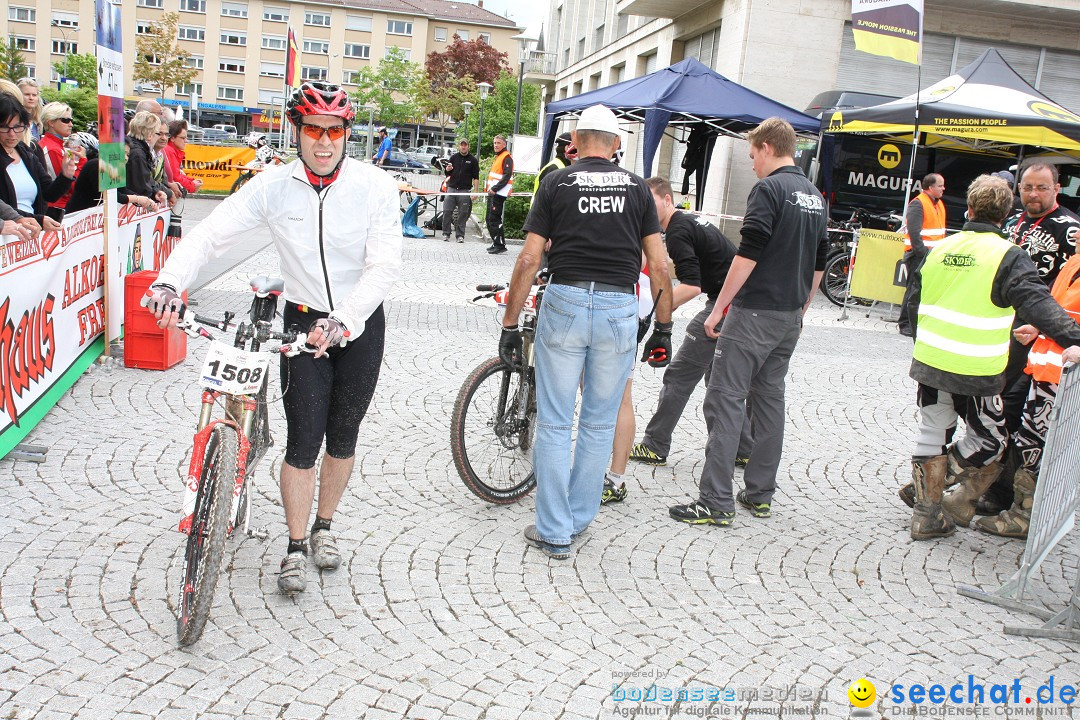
56,125
335,223
143,132
24,182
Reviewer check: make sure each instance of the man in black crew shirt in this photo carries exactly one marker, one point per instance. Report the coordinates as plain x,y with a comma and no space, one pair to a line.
599,218
702,256
767,290
462,176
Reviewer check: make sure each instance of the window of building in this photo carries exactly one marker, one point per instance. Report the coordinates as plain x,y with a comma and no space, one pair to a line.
195,6
270,97
319,47
233,37
617,73
598,39
594,81
186,32
274,42
195,61
404,52
399,27
65,20
622,26
31,71
151,3
484,37
463,34
152,59
144,27
187,88
312,73
356,50
358,22
272,69
317,18
275,14
234,9
703,47
63,47
228,92
22,14
440,34
233,65
350,77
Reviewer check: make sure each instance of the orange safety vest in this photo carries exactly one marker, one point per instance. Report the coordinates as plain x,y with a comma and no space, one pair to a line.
1044,360
496,173
933,222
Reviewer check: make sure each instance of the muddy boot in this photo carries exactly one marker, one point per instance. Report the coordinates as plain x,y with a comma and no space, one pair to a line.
907,492
1013,522
928,520
1000,495
974,481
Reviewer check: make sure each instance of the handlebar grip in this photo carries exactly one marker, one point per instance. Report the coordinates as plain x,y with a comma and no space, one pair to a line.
490,288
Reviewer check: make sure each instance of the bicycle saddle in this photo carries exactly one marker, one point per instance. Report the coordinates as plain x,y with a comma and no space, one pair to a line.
263,285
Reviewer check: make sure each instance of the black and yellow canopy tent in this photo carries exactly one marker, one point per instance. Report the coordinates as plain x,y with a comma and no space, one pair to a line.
985,107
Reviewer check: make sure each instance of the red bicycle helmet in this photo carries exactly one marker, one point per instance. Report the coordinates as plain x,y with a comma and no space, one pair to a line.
319,98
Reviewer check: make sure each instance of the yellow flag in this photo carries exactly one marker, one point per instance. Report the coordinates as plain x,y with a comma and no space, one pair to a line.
888,27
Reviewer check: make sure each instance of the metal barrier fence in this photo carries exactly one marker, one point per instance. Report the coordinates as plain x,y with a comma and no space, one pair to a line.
1053,515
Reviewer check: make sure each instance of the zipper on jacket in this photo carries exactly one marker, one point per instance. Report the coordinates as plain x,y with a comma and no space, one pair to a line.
322,250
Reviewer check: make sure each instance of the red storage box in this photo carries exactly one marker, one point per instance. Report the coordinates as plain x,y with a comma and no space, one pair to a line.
145,344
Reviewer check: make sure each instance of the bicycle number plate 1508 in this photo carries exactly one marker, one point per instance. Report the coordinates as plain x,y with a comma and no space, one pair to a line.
234,370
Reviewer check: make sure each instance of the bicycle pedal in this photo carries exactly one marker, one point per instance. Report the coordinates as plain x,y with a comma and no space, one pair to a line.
260,533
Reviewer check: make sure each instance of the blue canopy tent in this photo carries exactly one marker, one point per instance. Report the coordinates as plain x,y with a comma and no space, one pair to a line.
687,94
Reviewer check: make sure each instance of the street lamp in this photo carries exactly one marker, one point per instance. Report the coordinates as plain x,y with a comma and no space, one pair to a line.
370,120
484,89
67,54
468,108
525,46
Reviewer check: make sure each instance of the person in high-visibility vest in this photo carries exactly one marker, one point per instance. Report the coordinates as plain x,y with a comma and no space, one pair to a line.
1044,365
500,181
924,223
565,155
965,296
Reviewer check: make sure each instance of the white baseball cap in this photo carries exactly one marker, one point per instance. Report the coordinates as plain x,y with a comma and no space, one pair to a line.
599,118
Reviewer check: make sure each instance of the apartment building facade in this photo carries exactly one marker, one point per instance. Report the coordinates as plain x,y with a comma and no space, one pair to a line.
793,50
239,46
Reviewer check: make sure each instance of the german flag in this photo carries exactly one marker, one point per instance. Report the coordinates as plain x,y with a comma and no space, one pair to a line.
292,62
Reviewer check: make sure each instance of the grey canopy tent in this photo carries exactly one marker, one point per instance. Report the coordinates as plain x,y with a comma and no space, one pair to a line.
686,94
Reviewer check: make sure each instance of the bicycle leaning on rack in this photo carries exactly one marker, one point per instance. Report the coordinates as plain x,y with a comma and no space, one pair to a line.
227,448
493,424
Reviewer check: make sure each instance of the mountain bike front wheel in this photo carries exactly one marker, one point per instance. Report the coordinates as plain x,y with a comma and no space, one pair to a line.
206,542
491,435
240,181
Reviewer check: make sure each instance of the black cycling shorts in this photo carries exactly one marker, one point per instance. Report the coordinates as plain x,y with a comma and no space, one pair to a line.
329,396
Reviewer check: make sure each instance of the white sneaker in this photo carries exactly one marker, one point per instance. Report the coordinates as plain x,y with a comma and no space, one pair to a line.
324,550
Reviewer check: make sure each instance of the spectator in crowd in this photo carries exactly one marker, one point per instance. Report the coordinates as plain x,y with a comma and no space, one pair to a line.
57,121
588,322
174,157
500,182
702,257
965,310
11,224
32,102
766,292
462,176
9,88
151,106
161,174
924,223
565,154
1007,176
86,193
25,184
383,153
142,131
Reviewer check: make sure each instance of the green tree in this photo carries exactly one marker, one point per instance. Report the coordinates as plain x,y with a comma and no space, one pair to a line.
389,87
158,57
499,111
82,68
442,98
12,62
81,100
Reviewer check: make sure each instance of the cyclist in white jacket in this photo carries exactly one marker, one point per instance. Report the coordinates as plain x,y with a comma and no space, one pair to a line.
335,225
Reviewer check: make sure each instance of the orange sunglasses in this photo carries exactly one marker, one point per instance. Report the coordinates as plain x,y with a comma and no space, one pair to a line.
315,132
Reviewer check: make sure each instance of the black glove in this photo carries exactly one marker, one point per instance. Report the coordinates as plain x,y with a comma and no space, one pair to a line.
511,348
657,351
160,298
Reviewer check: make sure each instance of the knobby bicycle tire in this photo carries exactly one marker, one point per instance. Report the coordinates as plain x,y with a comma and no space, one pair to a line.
495,466
205,547
244,177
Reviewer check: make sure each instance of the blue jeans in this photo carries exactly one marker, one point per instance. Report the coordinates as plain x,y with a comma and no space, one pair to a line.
578,330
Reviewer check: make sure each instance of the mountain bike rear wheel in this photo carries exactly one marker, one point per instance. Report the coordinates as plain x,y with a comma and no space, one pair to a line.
206,543
240,181
491,441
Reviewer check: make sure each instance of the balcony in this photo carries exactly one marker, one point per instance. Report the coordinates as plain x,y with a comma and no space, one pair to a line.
658,8
540,65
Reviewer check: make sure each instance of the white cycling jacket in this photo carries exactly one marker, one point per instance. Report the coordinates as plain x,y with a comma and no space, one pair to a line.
340,248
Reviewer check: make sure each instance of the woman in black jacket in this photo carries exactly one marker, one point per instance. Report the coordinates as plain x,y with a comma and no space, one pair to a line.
24,182
140,165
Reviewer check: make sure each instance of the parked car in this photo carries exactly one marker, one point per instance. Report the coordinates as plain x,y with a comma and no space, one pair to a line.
229,130
398,159
425,153
194,134
214,135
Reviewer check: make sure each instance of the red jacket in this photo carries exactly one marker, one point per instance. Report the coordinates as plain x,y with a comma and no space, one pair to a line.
174,161
53,147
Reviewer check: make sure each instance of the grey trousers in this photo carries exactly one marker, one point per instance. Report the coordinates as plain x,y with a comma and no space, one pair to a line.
463,205
691,363
752,357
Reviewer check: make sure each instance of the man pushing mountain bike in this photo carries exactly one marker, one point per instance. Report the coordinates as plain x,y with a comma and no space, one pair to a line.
336,229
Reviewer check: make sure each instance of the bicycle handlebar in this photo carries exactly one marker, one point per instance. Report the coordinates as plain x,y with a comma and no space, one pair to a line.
490,288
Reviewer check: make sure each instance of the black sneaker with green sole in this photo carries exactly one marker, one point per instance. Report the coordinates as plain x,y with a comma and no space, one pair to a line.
695,513
758,510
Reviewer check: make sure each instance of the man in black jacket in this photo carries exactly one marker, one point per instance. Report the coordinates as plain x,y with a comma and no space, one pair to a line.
767,290
462,176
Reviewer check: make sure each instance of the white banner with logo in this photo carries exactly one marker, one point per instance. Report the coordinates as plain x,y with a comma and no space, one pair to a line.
139,241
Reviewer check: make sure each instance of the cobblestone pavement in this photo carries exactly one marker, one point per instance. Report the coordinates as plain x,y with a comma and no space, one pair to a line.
441,611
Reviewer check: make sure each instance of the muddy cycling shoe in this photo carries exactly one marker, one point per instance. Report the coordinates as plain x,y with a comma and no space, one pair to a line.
293,576
556,552
324,550
613,493
642,454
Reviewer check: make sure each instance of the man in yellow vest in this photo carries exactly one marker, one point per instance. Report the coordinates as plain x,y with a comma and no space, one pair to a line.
500,182
565,155
965,297
924,221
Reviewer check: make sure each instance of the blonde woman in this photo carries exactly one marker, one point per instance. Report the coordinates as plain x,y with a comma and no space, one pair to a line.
32,102
9,88
142,134
57,122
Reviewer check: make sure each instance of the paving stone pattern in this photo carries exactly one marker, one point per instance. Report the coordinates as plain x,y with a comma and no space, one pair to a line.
440,610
